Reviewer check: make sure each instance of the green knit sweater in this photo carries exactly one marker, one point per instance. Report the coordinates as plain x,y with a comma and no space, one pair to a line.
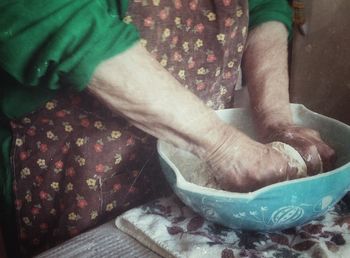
48,45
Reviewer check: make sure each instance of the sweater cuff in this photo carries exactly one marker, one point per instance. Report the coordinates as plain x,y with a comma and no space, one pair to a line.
107,47
271,11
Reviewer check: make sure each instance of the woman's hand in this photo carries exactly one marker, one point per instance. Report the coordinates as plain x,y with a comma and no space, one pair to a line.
266,73
240,164
265,65
317,155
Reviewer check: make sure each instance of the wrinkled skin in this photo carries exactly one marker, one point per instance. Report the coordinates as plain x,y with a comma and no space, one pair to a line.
315,152
265,69
177,116
240,164
243,165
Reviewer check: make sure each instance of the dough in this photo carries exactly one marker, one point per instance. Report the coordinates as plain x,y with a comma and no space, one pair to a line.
197,172
194,170
295,160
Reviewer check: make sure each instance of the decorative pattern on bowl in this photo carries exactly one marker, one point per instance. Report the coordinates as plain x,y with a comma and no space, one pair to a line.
274,207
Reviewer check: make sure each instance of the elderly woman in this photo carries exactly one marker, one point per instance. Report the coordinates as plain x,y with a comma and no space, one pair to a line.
83,100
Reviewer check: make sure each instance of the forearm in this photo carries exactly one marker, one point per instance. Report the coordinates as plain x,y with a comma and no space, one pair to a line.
266,72
134,85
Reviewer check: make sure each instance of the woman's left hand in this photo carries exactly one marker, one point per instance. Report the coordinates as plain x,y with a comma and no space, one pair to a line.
316,153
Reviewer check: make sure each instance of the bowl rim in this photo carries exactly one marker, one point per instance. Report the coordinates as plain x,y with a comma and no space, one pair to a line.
191,187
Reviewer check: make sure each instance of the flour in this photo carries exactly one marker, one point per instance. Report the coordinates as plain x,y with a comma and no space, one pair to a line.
193,169
197,172
295,160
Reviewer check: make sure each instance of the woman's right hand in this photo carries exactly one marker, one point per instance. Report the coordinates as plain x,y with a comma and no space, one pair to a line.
240,164
158,104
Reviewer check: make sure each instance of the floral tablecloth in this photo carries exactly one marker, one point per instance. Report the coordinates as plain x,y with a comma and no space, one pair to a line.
171,229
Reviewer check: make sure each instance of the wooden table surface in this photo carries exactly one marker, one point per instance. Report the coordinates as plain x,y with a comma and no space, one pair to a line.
103,241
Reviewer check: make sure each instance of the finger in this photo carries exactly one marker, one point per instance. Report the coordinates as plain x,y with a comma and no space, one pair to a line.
328,156
309,153
310,132
274,170
292,173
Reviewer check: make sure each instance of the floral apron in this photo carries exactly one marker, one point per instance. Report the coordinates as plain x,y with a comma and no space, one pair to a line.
77,166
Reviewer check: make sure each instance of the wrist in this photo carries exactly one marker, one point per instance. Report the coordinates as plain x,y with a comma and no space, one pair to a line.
213,139
227,144
268,120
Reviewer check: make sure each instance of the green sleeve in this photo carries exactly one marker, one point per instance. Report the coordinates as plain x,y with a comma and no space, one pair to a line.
44,43
261,11
5,174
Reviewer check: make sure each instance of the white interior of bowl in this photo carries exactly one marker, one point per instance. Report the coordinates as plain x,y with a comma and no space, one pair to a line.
241,119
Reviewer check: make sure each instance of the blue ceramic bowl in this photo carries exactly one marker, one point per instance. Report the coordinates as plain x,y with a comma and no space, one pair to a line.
274,207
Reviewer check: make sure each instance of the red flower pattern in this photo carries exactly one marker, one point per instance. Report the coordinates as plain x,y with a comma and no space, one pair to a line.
44,226
325,235
178,4
148,22
52,195
163,14
59,164
117,187
35,210
61,113
43,147
98,147
70,172
211,58
85,122
193,5
199,28
100,168
23,155
31,131
226,2
43,195
82,203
